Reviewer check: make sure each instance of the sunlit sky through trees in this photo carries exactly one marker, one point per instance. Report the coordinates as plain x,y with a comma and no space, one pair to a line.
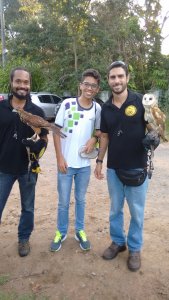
165,31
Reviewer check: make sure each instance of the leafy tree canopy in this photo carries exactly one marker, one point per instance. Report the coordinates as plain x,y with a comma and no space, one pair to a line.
62,38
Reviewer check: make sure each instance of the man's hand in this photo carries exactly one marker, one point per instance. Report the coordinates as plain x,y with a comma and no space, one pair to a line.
62,164
98,171
151,139
90,145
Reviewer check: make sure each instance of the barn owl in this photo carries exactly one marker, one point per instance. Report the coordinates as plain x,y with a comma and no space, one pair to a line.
37,122
153,115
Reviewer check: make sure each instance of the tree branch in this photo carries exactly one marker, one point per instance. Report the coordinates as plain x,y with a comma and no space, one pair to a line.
164,20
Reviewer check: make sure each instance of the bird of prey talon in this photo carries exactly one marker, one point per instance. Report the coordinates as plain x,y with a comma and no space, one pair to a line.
37,122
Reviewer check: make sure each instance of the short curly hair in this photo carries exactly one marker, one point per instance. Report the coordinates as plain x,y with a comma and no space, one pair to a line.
12,73
92,73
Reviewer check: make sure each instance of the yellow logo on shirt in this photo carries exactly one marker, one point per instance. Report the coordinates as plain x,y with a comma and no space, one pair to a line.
130,110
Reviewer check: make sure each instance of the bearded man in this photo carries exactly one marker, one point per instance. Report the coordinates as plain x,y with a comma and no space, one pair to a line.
123,129
14,159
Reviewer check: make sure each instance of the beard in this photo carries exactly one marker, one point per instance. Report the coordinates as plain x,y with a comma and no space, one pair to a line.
123,88
21,97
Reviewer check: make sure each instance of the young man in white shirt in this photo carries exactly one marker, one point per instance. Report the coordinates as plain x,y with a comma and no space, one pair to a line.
78,118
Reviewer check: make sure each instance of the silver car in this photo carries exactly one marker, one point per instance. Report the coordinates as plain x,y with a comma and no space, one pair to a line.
47,102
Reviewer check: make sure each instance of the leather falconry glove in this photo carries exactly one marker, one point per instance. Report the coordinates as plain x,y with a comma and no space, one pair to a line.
151,139
35,149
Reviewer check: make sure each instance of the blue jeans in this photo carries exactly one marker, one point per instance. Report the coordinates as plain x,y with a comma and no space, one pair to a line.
27,185
135,197
81,178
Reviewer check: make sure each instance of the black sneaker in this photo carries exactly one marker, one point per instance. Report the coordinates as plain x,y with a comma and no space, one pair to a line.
81,237
23,248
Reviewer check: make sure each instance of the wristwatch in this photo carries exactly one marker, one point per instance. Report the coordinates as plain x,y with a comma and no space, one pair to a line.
99,161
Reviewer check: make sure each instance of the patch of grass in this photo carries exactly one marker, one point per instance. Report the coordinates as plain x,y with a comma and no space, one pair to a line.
14,296
3,279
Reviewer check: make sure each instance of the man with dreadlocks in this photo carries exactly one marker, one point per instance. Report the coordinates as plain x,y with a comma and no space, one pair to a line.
15,162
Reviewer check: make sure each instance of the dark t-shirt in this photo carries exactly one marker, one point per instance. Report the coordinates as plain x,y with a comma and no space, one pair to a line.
13,154
126,129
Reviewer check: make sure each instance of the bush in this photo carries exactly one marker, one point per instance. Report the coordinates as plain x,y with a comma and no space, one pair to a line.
38,80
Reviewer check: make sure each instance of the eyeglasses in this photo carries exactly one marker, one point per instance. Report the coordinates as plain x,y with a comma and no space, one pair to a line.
88,85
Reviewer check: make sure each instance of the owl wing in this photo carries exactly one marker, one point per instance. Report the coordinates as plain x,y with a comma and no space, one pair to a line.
159,116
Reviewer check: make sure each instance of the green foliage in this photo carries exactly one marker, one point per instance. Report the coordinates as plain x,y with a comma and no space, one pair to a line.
38,78
167,125
57,40
159,79
165,101
35,69
4,81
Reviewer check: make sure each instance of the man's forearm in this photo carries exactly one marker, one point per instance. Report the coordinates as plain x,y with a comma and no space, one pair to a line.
104,140
57,145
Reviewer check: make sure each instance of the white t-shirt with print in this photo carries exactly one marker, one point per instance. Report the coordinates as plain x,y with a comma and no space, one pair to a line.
78,124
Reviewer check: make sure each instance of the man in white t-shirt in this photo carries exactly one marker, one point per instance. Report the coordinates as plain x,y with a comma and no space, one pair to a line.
78,118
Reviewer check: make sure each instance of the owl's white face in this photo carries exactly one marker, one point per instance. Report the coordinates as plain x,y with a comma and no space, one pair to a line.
149,100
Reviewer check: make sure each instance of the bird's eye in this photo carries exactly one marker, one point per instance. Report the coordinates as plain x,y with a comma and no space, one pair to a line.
151,99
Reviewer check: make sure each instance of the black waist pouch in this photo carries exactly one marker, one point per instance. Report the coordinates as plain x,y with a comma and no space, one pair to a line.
132,177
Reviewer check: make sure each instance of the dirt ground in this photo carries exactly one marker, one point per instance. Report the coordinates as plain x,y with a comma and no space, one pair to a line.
71,274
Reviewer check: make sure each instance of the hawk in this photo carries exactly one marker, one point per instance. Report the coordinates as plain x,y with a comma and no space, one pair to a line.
154,116
37,122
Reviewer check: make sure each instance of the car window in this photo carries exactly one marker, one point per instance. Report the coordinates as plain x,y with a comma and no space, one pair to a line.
45,98
56,99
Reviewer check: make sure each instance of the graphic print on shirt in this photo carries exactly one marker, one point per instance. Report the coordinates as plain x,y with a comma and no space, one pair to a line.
75,113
